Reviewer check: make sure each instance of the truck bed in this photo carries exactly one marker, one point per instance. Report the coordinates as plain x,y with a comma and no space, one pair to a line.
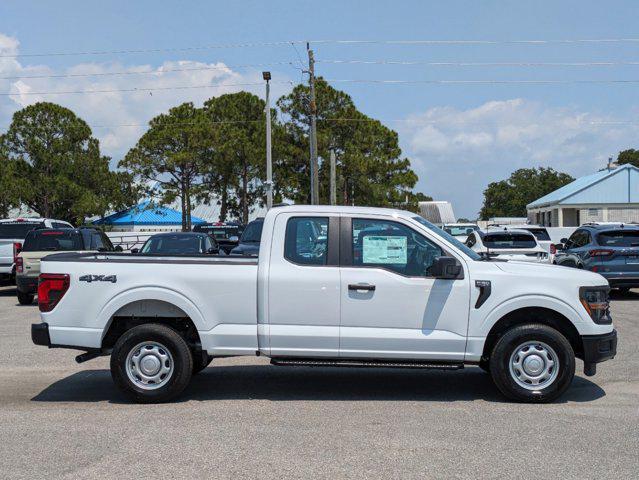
218,294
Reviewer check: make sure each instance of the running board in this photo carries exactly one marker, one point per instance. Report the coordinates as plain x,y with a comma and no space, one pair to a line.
315,362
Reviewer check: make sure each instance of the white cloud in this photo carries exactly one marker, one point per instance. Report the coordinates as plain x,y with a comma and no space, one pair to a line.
117,108
456,153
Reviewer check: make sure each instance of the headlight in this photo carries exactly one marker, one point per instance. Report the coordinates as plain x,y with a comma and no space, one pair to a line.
595,301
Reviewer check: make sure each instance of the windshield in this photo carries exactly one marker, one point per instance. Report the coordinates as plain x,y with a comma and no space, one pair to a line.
17,230
253,233
222,232
619,238
53,241
173,244
509,240
460,231
448,237
539,233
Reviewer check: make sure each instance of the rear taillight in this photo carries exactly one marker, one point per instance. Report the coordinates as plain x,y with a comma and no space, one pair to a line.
600,253
17,248
51,289
19,265
553,249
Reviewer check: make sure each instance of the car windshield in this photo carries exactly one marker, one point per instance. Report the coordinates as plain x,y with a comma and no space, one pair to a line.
52,240
509,240
173,244
460,231
253,233
221,232
448,237
619,238
17,230
539,233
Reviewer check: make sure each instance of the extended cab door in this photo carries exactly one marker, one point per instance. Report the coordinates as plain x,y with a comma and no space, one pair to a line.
304,286
391,306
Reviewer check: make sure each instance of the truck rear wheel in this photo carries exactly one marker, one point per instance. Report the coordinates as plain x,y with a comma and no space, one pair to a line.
151,363
532,363
25,298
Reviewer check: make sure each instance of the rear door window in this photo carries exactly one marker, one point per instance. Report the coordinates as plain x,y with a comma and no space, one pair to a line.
540,234
306,240
52,241
619,238
17,230
509,240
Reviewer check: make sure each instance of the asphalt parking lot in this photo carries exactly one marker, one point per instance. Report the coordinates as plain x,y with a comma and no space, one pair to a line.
244,418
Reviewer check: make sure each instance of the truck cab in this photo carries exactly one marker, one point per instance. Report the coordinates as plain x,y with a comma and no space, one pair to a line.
332,286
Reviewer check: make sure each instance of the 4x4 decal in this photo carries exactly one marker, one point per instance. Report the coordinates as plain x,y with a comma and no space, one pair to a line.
98,278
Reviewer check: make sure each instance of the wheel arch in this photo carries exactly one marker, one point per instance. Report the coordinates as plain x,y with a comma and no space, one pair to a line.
542,315
150,305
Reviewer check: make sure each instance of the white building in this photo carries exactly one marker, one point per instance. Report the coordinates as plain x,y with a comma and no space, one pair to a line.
610,195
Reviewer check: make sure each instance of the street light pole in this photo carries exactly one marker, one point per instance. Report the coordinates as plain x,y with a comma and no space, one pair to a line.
269,160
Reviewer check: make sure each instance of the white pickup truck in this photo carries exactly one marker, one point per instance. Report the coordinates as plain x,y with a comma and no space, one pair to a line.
333,286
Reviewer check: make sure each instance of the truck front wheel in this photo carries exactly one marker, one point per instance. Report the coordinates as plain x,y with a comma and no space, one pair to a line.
532,363
151,363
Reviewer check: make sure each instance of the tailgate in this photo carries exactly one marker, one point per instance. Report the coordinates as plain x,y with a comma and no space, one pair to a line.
6,253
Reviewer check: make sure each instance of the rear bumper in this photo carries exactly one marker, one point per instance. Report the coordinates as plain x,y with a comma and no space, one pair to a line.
27,284
598,348
40,334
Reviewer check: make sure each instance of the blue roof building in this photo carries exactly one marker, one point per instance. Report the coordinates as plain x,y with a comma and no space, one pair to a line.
146,217
610,195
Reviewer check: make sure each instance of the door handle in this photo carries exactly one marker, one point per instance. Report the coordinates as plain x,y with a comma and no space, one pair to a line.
362,286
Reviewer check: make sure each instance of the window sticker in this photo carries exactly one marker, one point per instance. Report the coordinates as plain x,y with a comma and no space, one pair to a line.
385,250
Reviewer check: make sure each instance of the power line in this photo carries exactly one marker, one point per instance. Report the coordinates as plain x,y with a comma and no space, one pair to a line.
478,82
142,89
147,72
327,41
478,64
480,42
354,81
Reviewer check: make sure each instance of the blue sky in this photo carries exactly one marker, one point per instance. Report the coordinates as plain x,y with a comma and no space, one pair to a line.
459,137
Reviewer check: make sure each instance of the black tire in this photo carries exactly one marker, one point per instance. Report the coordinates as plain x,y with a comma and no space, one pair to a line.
509,343
25,298
200,361
171,341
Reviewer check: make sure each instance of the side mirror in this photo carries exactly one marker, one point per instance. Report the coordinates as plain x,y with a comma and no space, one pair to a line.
118,248
564,241
213,251
234,239
559,246
135,250
446,268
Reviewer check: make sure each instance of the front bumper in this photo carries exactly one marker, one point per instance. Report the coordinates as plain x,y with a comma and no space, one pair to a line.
40,334
27,284
598,348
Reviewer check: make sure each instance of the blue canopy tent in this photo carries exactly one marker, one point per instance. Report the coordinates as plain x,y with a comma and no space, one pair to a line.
148,217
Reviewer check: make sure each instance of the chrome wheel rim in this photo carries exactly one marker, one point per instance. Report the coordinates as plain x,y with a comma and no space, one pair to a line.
534,365
149,365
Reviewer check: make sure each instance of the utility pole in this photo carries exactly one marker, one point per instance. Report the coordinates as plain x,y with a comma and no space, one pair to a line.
333,175
269,160
313,132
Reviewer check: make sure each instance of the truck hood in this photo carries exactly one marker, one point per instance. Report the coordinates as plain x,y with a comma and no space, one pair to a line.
567,274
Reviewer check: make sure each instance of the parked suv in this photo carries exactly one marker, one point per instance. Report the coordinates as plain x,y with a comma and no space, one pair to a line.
610,249
42,242
12,234
227,235
520,245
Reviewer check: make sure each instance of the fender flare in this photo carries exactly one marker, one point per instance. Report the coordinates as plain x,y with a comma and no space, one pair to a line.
532,301
105,316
